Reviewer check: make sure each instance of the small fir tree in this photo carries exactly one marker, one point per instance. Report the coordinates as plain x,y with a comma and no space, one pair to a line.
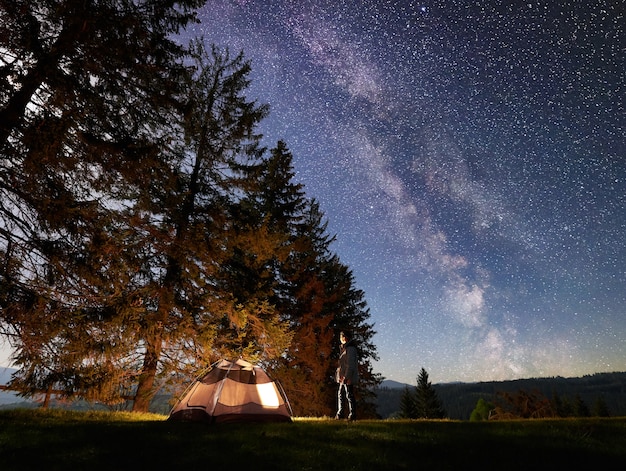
427,402
408,408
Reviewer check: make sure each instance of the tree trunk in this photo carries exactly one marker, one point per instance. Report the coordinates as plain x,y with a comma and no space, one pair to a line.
145,387
46,401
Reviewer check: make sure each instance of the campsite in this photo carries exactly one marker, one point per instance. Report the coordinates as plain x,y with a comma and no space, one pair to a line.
196,195
57,439
235,416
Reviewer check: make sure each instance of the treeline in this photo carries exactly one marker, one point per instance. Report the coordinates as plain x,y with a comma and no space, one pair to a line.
534,405
569,396
145,231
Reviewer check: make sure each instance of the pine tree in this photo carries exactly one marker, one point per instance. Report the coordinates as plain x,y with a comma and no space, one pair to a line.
352,313
408,407
304,299
88,93
257,243
427,402
315,294
208,286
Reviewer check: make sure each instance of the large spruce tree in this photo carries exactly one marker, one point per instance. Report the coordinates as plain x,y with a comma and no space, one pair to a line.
312,292
88,90
321,300
257,243
210,251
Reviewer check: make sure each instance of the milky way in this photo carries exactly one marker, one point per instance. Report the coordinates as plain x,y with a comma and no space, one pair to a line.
470,157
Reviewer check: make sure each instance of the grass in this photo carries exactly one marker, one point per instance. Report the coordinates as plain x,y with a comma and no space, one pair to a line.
57,439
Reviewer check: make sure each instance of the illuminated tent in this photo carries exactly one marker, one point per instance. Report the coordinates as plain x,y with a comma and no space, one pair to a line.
233,392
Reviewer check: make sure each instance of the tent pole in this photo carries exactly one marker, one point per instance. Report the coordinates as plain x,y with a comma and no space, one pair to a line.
193,383
285,398
219,389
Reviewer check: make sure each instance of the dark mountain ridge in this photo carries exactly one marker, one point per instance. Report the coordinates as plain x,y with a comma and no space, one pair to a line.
459,399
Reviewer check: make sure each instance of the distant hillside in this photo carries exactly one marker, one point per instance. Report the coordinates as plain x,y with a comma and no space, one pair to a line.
459,399
391,384
8,397
10,400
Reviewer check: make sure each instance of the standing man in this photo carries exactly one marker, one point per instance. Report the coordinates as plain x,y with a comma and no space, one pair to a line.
347,376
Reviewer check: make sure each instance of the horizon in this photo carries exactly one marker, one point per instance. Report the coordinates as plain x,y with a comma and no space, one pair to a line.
4,368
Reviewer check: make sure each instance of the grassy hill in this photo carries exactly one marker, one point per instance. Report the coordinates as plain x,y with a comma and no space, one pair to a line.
57,439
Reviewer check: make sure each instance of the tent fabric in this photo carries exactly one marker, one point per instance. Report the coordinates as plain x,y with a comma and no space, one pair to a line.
233,392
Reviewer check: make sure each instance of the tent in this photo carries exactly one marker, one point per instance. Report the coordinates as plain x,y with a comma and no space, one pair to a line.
233,392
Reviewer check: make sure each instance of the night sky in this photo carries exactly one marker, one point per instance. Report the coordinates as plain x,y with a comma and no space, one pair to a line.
470,157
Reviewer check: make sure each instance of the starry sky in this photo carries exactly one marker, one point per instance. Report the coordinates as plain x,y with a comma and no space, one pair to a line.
470,157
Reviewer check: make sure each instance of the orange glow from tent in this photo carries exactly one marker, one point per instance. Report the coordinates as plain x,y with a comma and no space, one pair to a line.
267,394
